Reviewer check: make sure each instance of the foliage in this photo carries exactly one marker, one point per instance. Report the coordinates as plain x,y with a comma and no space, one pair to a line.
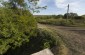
17,24
43,17
73,19
59,22
59,16
23,4
44,39
78,17
16,27
70,15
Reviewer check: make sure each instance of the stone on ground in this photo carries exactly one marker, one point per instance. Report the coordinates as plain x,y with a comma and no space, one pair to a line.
44,52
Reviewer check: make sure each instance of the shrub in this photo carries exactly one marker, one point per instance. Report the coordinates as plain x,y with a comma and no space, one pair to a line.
79,18
44,39
16,27
59,22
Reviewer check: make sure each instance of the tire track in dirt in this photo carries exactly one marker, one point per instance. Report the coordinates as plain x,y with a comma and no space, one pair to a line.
74,40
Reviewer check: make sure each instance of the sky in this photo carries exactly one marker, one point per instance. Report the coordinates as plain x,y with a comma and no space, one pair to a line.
55,7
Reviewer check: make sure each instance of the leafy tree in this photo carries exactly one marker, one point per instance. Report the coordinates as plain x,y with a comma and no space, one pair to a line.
79,18
60,16
24,4
70,15
17,25
83,16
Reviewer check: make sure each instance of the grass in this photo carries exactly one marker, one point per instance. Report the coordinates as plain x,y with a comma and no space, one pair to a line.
60,48
62,22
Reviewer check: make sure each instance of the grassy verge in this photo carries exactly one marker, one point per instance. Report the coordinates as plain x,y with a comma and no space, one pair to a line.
62,22
60,48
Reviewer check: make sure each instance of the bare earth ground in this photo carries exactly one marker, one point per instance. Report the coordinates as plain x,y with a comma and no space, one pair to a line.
73,37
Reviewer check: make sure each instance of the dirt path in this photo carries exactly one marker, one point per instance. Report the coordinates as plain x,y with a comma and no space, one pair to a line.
73,37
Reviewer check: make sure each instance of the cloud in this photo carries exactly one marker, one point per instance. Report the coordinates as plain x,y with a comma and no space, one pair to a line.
43,2
75,6
60,6
60,3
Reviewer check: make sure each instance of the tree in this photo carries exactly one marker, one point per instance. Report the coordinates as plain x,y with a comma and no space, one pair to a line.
60,16
17,25
65,15
24,4
70,15
79,18
83,16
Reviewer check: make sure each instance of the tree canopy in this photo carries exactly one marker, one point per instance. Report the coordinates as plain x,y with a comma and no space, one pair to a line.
70,15
16,25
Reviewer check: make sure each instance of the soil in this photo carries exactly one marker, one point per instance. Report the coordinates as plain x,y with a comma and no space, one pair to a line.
73,37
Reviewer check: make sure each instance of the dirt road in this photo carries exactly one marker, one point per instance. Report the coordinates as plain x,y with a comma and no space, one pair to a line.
73,37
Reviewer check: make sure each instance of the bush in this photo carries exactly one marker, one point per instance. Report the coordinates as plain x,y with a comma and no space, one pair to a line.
16,27
44,39
59,22
79,18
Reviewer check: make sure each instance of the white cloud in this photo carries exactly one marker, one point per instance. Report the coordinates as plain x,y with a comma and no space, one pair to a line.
43,2
75,6
60,3
40,1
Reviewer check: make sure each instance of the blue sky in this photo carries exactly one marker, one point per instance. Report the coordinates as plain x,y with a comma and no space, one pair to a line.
55,7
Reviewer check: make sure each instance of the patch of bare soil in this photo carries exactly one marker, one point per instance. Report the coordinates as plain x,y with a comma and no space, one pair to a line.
73,37
78,30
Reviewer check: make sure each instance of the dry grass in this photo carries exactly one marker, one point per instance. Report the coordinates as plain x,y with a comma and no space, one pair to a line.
60,48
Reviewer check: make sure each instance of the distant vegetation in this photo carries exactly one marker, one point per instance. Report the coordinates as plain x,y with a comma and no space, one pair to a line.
62,20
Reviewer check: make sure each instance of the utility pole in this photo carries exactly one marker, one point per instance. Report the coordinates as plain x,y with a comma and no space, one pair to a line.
67,11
